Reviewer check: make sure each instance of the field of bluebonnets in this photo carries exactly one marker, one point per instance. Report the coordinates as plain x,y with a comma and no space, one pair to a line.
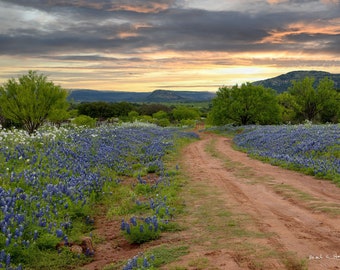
313,149
51,180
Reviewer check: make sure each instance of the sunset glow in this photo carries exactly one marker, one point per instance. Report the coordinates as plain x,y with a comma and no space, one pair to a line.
169,44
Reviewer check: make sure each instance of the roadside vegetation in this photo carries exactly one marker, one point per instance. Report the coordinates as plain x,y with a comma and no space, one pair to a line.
52,182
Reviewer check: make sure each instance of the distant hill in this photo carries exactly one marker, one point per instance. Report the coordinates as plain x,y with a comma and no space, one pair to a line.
88,95
179,96
160,96
283,82
280,84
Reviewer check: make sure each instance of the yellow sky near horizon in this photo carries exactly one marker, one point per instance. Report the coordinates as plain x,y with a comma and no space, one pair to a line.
169,73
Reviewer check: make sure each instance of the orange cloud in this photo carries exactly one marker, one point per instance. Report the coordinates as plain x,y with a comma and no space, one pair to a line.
274,2
278,36
141,7
136,6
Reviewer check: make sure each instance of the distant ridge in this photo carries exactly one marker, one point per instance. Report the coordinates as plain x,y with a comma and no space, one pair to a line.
283,82
279,84
88,95
159,95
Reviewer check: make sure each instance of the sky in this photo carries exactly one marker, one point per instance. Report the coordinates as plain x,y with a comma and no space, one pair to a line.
129,45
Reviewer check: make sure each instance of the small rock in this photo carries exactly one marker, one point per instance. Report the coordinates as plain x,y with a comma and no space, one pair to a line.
76,249
87,246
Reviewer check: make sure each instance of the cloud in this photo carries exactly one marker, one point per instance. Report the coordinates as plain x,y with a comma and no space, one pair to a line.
164,35
145,6
302,2
171,29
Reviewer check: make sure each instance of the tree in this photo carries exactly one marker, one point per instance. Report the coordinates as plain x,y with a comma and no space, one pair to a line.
320,104
288,107
99,109
150,109
161,118
185,113
31,100
133,116
121,109
160,115
248,104
58,116
330,101
305,98
85,121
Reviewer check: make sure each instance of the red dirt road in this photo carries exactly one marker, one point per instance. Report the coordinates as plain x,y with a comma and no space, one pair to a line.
298,214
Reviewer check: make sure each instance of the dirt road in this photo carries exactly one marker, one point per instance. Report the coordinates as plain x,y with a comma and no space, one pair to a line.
245,214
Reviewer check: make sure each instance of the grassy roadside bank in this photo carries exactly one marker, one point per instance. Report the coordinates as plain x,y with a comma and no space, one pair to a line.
152,194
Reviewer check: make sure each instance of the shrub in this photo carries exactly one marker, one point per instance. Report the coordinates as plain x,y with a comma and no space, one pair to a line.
84,120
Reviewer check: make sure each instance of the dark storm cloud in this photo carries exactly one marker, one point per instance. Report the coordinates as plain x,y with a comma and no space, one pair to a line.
88,6
92,58
129,26
321,41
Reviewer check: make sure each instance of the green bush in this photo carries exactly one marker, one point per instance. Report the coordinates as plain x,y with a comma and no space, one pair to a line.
84,120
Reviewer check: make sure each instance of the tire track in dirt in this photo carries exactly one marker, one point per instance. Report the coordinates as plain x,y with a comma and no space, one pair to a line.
292,227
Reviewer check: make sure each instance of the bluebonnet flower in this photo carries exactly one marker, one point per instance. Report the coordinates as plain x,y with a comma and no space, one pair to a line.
145,263
133,221
123,225
8,260
128,230
2,255
35,236
59,233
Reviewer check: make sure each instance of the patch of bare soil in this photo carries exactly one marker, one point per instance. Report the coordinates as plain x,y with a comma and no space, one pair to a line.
111,249
241,214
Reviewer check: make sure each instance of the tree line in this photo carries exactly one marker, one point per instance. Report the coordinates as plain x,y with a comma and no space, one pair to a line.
250,104
32,100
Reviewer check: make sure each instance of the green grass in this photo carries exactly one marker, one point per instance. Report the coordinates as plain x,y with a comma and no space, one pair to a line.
332,209
292,192
47,260
199,263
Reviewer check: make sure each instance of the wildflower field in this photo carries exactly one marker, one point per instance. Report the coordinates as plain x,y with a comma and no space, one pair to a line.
51,181
313,149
